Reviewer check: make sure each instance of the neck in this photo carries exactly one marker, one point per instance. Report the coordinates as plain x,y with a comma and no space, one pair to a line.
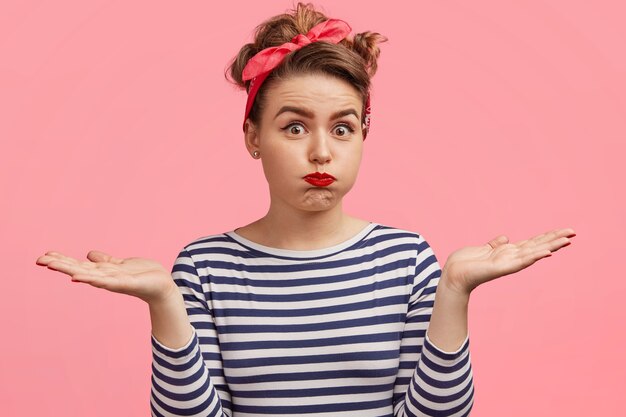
302,229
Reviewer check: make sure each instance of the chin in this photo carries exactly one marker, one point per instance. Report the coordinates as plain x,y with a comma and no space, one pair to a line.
319,199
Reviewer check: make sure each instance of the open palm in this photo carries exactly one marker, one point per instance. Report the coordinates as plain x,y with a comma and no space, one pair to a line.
468,267
139,277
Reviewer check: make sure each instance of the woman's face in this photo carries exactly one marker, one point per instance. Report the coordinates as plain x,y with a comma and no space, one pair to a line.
311,123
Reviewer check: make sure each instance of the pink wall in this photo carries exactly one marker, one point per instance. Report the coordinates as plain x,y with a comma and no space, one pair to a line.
119,133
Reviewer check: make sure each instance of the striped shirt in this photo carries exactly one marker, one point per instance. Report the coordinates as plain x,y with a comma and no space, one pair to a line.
339,331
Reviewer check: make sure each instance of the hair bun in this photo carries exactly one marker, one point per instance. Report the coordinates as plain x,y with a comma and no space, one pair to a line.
366,45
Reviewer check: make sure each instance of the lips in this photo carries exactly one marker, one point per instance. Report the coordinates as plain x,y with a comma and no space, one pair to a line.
318,179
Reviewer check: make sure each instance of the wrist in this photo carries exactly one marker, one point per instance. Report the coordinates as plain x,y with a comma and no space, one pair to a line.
171,326
167,296
448,323
453,285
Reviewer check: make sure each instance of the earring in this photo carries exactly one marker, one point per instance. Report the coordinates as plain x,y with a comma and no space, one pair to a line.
255,154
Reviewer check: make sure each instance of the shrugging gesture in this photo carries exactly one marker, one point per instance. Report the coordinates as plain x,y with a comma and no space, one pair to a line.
468,267
142,278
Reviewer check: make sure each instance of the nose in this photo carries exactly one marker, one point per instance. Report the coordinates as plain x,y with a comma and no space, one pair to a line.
320,152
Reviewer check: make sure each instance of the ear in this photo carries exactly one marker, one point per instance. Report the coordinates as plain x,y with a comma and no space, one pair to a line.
251,136
365,130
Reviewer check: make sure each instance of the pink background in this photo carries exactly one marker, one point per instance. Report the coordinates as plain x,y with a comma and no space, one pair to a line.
119,133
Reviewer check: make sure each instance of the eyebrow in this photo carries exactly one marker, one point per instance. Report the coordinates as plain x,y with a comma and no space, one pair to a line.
310,115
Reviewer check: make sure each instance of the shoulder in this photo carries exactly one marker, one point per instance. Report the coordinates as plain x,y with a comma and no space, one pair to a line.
424,266
411,242
198,249
207,242
397,233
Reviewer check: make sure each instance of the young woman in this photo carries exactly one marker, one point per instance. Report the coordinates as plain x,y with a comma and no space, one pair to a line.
309,310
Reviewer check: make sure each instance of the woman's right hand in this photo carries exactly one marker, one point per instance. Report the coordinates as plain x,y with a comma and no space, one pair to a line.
142,278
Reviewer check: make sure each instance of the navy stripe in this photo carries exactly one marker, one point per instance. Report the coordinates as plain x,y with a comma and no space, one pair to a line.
171,353
445,413
294,360
444,384
190,410
296,344
313,375
307,409
313,327
313,392
443,369
314,311
445,355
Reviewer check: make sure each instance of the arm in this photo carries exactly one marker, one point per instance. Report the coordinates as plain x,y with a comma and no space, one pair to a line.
442,383
187,377
433,379
170,323
184,382
448,322
472,266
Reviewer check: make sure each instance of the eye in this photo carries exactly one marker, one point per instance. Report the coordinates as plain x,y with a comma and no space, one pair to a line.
294,128
343,129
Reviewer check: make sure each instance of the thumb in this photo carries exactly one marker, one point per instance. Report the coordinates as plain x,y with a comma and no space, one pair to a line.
497,241
99,256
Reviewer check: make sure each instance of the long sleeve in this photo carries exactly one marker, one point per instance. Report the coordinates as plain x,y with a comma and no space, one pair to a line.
189,381
431,382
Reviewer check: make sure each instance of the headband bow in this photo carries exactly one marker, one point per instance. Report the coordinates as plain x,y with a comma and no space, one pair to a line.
260,65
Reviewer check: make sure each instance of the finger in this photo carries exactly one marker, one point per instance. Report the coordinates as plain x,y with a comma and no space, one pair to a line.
107,282
52,255
99,256
497,241
535,256
521,243
44,260
65,258
92,279
554,245
541,238
569,232
65,267
533,253
556,234
546,237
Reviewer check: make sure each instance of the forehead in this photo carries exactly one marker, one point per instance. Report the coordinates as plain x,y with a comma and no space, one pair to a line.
319,93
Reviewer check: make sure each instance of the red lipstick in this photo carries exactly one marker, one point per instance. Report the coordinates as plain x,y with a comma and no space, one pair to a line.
319,180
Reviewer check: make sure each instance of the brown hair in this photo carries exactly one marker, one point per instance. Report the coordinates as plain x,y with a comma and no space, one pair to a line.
353,59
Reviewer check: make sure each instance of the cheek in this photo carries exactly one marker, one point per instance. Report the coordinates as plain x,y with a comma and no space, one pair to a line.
280,167
353,160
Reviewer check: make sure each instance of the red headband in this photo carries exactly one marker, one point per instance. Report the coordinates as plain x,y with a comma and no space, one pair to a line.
260,65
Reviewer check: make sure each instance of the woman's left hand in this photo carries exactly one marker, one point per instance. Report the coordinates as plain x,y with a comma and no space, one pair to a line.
468,267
